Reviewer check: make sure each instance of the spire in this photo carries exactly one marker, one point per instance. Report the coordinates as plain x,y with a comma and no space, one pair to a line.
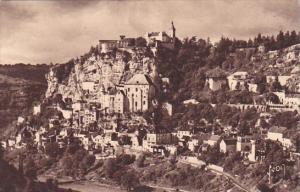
173,29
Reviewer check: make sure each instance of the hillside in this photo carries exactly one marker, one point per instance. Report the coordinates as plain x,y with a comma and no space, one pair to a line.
18,91
29,72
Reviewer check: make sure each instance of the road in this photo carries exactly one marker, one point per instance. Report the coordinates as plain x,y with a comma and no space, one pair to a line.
234,180
225,174
166,188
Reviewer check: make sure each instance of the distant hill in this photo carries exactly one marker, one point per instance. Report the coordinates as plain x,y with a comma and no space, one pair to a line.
20,86
26,71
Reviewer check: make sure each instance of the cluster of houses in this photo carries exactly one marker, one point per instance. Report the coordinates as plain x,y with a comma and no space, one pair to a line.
114,136
242,80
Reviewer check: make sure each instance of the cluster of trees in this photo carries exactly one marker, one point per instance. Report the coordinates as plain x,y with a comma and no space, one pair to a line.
179,175
281,40
76,163
233,97
287,119
120,171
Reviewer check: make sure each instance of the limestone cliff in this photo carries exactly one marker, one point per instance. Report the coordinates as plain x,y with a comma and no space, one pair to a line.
85,78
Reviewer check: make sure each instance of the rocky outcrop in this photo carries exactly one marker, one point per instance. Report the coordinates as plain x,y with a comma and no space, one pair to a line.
85,79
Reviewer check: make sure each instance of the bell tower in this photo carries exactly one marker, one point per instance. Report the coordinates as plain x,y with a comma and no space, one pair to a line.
173,31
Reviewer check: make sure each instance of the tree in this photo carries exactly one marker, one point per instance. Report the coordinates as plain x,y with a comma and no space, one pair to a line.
52,149
140,160
1,151
30,169
125,159
89,160
276,86
244,128
246,86
238,86
140,42
110,166
272,98
280,40
129,180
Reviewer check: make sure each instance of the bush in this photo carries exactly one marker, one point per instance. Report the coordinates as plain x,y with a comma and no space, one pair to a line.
140,160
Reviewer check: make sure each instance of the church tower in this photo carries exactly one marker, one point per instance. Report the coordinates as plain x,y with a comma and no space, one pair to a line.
173,31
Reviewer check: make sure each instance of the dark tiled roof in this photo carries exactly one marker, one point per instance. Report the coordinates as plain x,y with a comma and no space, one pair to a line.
277,129
230,141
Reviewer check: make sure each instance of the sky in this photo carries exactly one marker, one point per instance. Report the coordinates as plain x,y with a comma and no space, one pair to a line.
56,31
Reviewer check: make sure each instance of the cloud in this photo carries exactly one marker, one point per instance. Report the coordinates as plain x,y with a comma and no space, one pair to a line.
55,31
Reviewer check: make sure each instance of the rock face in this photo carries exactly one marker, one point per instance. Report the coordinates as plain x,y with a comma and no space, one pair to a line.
87,78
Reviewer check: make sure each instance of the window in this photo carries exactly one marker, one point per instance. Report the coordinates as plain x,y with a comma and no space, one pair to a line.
144,102
136,89
128,89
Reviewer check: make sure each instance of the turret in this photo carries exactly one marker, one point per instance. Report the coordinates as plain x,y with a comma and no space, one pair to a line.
252,154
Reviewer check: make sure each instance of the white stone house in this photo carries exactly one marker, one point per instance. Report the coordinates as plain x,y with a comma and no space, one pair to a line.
237,78
273,54
36,109
88,86
282,79
212,140
216,79
253,87
292,55
193,144
184,133
228,145
276,133
157,139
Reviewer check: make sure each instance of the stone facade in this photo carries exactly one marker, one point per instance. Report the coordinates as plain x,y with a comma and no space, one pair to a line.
137,92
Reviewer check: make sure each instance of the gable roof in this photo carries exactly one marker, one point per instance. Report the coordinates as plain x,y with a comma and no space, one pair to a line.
230,141
216,73
277,129
139,79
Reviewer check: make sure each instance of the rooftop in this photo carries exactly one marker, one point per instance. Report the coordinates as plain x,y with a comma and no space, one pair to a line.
277,129
139,79
230,141
216,73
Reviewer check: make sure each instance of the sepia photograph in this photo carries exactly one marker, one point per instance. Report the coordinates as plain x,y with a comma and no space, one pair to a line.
149,95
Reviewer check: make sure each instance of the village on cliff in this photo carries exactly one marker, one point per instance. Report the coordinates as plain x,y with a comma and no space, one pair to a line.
107,102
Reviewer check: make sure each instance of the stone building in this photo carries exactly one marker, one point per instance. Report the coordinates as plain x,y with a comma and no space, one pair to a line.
137,92
162,37
216,79
237,80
